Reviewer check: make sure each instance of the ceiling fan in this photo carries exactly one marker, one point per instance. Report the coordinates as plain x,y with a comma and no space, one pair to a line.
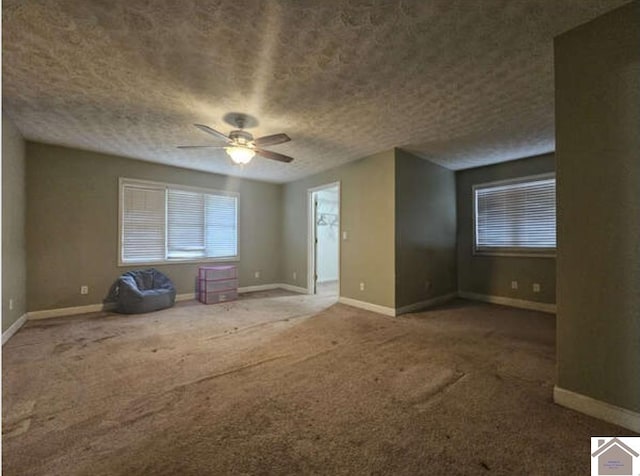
241,146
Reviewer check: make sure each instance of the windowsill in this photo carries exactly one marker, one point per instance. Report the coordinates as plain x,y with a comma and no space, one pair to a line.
178,261
515,254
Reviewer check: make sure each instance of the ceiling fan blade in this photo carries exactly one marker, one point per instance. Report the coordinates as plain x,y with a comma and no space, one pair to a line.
271,140
201,146
212,132
273,155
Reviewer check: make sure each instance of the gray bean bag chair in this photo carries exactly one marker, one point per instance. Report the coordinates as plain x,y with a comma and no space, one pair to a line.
141,291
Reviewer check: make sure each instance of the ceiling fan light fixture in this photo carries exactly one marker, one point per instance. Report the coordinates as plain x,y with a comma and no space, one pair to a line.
240,155
242,147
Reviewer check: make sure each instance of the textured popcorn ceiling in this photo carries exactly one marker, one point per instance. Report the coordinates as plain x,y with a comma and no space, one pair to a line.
460,82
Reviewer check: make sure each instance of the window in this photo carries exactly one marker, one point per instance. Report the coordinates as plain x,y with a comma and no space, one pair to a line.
162,223
516,217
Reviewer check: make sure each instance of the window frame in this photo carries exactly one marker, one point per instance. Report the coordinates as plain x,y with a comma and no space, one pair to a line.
522,252
124,181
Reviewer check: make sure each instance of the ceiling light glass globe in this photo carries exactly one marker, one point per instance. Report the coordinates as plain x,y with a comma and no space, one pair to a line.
240,155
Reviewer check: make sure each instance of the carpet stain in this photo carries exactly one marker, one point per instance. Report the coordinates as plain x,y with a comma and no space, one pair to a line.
314,356
60,348
391,340
229,372
232,333
18,418
102,339
437,389
158,405
15,428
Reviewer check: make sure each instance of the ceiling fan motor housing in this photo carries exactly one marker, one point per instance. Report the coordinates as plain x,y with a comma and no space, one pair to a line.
241,137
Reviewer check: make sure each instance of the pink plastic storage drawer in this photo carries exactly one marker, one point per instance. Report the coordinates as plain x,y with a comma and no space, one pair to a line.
217,272
216,297
217,286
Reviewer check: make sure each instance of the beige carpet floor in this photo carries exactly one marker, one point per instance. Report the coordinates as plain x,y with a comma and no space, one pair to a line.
278,383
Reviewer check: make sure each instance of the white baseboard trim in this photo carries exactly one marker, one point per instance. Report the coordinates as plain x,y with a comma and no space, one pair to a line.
185,297
292,288
258,287
13,328
505,301
418,306
269,287
75,310
597,409
69,311
387,311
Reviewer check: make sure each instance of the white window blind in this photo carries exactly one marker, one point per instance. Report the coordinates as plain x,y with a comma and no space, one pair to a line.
143,224
185,217
516,217
221,226
167,223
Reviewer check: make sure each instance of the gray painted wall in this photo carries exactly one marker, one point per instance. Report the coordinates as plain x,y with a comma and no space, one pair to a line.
72,224
492,275
367,215
14,260
425,229
597,71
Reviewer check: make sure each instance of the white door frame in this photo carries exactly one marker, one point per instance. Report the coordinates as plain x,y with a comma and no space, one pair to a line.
311,258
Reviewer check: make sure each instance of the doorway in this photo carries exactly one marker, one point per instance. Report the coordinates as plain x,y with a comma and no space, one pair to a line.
324,240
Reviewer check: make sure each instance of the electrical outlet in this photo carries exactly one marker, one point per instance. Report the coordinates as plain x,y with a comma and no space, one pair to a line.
295,276
257,274
361,286
427,285
344,235
84,289
11,304
536,287
514,284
